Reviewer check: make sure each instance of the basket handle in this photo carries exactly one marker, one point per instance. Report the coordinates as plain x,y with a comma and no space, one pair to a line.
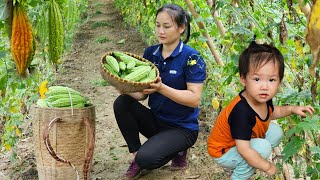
89,153
58,158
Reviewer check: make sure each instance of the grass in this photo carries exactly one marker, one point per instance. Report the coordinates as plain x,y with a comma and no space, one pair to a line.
99,82
97,4
101,24
102,39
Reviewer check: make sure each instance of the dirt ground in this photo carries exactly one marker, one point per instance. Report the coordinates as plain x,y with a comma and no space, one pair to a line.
81,72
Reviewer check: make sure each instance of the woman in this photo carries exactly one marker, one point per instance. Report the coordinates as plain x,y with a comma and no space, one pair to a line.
171,123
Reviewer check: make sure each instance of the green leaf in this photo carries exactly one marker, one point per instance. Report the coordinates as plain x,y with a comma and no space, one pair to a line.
307,125
315,150
228,80
313,171
292,147
34,3
293,130
290,42
2,54
3,83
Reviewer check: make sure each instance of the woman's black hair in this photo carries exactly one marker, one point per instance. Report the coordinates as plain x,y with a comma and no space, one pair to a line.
179,16
257,55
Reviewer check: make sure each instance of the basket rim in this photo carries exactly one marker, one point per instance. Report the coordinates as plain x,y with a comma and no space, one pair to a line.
124,80
65,108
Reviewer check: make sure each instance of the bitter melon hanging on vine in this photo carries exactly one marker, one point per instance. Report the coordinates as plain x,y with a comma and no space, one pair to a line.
22,44
56,33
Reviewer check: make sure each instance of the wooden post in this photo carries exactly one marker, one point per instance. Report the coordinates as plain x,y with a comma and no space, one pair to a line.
205,33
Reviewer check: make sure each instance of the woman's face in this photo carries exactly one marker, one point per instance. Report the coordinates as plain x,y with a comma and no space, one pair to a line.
167,29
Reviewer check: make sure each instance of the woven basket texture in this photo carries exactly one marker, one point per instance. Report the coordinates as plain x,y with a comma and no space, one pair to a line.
69,138
123,85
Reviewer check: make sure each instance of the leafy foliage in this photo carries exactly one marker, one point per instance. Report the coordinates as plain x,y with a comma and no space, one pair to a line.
273,23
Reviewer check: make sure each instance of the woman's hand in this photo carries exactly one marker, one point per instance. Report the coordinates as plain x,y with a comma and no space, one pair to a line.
154,87
302,110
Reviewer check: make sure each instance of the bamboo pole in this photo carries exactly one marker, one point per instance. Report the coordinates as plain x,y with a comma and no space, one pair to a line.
210,3
205,33
305,8
216,18
219,24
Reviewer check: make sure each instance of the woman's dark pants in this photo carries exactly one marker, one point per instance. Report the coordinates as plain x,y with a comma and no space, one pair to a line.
164,141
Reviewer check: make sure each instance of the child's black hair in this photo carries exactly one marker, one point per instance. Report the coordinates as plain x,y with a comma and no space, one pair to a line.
179,16
256,55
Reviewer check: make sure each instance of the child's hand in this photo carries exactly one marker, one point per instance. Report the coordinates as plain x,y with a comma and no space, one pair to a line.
273,170
302,110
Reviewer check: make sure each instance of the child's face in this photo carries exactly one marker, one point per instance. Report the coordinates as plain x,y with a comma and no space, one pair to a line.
167,30
261,84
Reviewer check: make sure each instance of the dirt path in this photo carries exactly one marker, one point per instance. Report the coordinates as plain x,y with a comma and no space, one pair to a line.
81,72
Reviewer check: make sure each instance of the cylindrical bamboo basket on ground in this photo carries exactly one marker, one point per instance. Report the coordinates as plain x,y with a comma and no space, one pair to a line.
124,85
63,142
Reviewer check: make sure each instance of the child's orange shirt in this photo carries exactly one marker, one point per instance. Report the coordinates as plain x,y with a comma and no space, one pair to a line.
237,121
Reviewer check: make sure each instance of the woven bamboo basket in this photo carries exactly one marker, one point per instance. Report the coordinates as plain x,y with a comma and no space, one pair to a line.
63,141
124,85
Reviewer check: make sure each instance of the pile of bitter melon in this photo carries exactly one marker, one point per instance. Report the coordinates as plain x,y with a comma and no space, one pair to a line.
62,97
129,68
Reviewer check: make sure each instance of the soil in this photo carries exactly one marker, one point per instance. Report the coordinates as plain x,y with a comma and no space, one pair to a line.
80,71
